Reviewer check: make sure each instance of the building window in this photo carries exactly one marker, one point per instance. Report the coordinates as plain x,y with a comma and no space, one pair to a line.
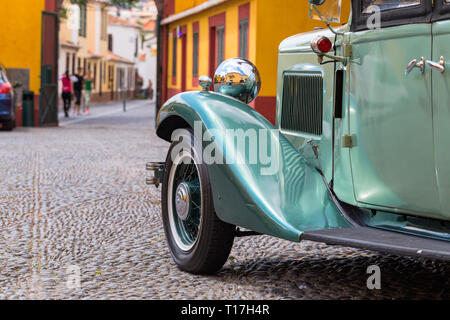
220,43
244,17
73,63
104,72
101,74
243,38
110,76
216,41
174,56
95,74
100,79
136,52
195,55
130,78
120,82
110,42
83,18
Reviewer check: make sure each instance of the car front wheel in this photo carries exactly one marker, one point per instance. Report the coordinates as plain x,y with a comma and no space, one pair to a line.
8,125
198,240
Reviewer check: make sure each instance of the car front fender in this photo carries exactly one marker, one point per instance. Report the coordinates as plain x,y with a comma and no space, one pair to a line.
285,202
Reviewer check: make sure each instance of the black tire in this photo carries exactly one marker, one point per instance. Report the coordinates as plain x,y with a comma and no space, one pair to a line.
8,125
214,239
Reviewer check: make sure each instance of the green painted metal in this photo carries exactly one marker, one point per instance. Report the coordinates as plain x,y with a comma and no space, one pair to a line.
337,169
296,57
342,171
435,229
441,113
302,109
293,199
391,121
28,109
398,123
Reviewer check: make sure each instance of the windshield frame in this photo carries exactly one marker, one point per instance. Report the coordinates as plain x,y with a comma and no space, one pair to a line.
314,16
392,17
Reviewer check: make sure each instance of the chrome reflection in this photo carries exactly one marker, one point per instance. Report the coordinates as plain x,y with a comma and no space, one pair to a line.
238,78
205,82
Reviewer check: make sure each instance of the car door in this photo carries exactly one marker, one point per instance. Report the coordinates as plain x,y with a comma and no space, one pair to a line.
391,118
441,99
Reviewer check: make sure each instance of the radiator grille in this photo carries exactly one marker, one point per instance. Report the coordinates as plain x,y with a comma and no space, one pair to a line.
302,104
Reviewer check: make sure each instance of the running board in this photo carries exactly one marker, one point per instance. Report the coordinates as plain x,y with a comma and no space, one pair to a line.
382,241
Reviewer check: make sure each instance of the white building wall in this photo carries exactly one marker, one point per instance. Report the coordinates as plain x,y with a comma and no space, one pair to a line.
124,41
147,68
124,45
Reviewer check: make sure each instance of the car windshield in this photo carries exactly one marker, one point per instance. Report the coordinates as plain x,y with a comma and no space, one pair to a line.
383,5
330,10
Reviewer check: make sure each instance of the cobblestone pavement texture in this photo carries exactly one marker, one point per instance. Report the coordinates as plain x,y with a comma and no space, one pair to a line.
75,196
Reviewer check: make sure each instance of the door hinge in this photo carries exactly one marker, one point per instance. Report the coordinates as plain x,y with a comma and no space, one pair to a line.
347,141
347,50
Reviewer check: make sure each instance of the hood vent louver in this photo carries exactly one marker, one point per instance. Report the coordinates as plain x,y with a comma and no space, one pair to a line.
302,104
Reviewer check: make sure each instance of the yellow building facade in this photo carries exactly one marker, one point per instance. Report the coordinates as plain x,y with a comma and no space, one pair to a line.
266,24
20,42
26,46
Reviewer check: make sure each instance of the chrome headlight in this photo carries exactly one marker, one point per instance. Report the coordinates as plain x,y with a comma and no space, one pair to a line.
238,78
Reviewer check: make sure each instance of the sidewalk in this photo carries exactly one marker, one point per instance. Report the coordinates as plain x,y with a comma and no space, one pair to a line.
102,109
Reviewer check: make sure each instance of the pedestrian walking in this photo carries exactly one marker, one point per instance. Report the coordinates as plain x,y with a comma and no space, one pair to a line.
78,90
87,92
66,92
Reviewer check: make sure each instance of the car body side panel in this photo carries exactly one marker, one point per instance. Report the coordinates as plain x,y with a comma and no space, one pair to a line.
6,110
343,179
391,121
441,112
284,204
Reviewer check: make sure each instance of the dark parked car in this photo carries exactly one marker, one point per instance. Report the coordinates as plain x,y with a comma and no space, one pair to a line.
7,112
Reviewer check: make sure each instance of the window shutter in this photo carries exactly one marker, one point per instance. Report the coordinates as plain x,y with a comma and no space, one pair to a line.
195,55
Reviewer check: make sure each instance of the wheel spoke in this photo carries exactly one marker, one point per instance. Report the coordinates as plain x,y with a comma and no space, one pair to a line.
196,206
186,181
192,173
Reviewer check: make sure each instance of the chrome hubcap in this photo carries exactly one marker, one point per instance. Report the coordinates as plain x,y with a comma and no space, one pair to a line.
182,201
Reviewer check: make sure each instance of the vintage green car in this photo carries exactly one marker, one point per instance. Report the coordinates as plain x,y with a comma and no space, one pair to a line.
359,155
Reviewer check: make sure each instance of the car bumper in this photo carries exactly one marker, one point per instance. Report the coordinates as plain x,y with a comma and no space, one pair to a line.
6,107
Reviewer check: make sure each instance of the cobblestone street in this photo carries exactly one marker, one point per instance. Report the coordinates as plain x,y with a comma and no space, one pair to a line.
76,196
